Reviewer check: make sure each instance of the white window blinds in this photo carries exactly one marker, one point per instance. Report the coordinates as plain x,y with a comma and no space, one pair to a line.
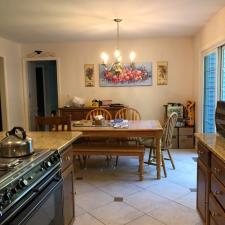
210,81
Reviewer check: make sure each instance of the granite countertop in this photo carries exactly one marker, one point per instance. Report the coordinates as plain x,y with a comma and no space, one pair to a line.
214,142
51,140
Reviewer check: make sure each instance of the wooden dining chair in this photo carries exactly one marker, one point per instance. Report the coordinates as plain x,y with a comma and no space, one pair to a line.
127,114
166,143
99,111
53,123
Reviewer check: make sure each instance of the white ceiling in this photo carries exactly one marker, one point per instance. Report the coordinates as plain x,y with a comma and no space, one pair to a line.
69,20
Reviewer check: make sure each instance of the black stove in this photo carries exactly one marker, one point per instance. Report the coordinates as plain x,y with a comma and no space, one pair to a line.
24,179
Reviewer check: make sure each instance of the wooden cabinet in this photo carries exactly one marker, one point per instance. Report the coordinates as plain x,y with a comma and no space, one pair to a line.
68,186
80,113
183,137
210,186
202,189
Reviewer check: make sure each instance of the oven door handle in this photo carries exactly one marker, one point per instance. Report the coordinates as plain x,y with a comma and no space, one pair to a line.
54,176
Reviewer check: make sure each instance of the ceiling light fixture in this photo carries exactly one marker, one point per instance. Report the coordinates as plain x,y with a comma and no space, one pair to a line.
117,66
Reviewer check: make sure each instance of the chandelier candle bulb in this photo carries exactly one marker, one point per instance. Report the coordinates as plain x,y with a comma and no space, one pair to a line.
132,56
104,58
117,53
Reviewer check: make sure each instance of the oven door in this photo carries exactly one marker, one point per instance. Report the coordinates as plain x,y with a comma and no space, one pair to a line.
45,209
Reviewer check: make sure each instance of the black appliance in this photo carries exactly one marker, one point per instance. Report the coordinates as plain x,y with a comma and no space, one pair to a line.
220,118
31,190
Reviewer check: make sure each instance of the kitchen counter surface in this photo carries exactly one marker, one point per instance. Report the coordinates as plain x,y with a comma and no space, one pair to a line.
214,142
51,140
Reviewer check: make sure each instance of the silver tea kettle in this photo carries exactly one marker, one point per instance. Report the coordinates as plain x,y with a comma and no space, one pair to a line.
16,144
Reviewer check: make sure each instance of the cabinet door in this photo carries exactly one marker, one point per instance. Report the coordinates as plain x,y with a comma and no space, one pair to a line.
68,196
202,190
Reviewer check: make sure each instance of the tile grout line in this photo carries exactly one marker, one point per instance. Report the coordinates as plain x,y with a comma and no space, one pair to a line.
96,218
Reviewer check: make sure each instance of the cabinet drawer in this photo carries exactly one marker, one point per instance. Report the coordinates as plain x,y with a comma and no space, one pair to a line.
67,158
174,141
186,141
211,221
216,211
218,169
218,190
186,131
203,154
175,131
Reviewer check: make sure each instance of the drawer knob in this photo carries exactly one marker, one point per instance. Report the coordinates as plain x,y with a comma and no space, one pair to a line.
217,170
215,214
68,158
217,192
200,152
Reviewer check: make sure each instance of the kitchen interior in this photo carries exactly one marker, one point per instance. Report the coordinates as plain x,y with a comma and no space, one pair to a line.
112,112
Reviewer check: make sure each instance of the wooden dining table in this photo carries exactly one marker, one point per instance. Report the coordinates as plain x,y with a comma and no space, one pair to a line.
136,128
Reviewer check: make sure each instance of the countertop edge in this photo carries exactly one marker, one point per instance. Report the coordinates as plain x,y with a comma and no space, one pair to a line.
214,142
68,143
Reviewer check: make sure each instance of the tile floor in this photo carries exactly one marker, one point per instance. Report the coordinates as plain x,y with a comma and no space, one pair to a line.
168,201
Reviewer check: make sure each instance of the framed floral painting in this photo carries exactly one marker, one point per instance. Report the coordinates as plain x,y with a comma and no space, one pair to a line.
126,75
89,75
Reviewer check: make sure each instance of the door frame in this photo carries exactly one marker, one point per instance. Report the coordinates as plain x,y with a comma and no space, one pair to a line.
26,88
4,97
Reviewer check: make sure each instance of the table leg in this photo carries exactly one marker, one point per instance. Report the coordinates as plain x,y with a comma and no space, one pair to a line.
141,167
158,157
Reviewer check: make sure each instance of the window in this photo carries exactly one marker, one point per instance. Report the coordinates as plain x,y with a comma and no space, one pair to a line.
214,86
210,89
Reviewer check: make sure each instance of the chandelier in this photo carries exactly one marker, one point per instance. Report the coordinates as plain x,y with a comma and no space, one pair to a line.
117,67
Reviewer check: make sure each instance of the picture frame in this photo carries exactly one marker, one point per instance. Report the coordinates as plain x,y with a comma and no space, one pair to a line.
162,73
127,75
89,75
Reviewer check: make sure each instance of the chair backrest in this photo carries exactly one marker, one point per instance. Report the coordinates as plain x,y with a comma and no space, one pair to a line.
166,140
128,114
99,111
53,123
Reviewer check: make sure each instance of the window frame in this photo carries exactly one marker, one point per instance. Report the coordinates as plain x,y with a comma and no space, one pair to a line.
217,82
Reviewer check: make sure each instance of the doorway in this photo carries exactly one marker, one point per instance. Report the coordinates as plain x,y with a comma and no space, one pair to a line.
42,89
3,111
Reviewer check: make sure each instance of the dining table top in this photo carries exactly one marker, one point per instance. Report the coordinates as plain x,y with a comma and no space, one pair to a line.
133,125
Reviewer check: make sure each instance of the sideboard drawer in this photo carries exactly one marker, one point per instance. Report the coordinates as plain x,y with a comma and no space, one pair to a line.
218,190
216,212
211,221
218,169
186,141
186,131
204,154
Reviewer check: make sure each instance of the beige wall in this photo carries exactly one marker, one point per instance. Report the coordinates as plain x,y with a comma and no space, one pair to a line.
148,100
210,36
11,52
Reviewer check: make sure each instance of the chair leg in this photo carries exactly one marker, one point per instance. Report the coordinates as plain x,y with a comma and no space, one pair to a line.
107,160
171,159
117,159
80,161
163,164
85,161
150,155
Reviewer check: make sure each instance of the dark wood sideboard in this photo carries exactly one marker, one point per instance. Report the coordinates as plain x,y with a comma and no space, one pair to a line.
79,113
211,179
